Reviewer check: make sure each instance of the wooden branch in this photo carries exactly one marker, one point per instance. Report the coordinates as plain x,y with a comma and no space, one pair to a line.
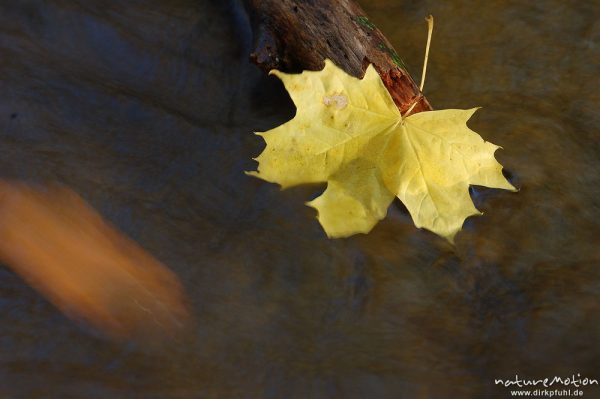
293,35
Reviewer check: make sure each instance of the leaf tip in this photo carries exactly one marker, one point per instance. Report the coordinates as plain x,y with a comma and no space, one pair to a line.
472,111
277,73
312,205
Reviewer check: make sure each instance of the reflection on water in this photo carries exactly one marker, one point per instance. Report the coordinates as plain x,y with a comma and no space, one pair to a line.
147,109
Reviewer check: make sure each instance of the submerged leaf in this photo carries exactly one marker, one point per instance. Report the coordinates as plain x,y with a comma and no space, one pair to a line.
85,266
349,133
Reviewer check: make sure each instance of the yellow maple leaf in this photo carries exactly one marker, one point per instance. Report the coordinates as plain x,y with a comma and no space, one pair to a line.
349,133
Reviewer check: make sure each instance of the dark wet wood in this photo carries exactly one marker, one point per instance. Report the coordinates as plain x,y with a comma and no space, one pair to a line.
294,35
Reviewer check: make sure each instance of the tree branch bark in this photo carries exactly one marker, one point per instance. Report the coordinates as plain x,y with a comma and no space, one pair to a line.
292,35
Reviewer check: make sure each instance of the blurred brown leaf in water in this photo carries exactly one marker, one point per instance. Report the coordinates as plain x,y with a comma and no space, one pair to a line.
84,266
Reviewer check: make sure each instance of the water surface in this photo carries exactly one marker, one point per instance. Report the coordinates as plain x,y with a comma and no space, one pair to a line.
147,110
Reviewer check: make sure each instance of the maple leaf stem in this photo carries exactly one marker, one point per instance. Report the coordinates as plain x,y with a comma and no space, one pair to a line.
429,20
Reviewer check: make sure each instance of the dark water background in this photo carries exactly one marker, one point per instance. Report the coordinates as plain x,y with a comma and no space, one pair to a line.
147,108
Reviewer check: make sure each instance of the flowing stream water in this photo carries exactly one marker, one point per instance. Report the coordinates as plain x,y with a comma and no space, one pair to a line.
147,108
